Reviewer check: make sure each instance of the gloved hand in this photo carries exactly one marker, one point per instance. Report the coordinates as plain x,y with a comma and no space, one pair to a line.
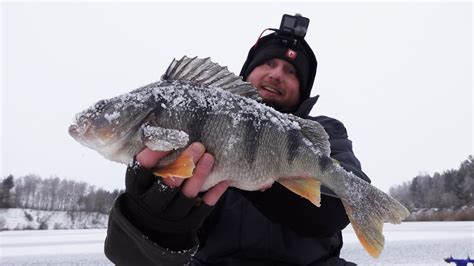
169,211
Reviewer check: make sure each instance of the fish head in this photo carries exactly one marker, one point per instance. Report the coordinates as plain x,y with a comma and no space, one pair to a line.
109,125
91,126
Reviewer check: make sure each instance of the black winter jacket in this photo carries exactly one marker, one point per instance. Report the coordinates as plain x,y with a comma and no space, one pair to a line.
275,227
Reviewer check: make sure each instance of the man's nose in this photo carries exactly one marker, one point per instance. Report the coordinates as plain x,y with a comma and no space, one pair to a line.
276,73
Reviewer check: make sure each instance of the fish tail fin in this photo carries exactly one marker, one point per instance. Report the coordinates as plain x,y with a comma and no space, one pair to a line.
368,208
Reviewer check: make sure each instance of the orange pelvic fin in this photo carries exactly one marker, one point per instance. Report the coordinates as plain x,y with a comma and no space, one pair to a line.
182,167
306,187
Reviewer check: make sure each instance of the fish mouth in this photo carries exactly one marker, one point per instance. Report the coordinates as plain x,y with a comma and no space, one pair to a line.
80,128
73,130
89,137
77,131
271,89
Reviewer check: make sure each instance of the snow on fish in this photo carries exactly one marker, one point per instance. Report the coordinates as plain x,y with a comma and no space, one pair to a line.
253,144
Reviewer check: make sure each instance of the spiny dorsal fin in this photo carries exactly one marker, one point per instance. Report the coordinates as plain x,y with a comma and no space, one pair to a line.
314,132
207,73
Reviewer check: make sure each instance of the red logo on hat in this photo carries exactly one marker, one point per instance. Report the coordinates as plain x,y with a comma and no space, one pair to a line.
291,54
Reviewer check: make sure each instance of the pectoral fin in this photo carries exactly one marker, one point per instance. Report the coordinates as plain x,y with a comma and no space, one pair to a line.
163,139
182,167
308,188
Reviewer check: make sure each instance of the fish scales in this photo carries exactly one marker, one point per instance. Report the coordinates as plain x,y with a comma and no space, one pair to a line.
219,126
247,161
253,144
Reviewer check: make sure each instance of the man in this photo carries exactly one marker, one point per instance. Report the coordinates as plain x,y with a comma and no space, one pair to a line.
167,222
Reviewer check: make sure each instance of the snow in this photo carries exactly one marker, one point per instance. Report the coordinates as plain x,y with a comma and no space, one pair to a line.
163,139
415,243
410,243
51,242
178,96
113,116
19,219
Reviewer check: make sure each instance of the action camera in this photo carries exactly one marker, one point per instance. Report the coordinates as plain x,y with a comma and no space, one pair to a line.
295,26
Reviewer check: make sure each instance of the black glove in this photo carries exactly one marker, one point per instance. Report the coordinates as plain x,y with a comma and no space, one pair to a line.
161,213
282,206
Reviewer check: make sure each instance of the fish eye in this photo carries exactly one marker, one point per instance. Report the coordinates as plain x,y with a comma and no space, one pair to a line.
100,105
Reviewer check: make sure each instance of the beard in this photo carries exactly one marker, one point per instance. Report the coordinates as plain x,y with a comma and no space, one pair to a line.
281,108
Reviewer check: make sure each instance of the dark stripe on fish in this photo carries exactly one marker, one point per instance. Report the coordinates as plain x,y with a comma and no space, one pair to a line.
196,125
251,141
292,142
197,121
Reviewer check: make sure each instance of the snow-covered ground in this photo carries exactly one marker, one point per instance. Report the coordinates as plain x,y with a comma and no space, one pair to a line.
411,243
21,219
415,243
53,247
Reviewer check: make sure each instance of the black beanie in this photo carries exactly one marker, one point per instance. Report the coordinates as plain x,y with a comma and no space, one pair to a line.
300,56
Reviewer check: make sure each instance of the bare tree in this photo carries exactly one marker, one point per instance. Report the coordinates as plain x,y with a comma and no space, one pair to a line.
55,194
5,188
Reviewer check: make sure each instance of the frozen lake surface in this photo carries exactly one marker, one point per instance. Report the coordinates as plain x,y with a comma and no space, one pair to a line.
411,243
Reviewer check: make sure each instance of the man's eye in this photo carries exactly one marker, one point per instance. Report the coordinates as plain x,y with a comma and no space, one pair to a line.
291,71
270,63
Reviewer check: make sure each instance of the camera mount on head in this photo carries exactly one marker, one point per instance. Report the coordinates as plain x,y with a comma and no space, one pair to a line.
292,28
296,25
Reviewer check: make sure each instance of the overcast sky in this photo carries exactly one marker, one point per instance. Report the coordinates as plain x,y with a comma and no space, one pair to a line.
398,75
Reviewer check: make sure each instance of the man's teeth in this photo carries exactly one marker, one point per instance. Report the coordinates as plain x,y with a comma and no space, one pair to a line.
271,89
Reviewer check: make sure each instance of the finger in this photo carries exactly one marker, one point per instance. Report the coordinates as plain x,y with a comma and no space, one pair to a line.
149,158
213,195
196,150
192,187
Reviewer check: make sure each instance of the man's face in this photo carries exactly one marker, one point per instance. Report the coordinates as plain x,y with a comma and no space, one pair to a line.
277,83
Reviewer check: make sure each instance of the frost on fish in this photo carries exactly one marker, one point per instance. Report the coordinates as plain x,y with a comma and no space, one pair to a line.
112,117
253,144
219,102
163,139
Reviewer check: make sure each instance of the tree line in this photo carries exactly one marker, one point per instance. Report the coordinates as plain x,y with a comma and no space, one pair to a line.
54,194
449,189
